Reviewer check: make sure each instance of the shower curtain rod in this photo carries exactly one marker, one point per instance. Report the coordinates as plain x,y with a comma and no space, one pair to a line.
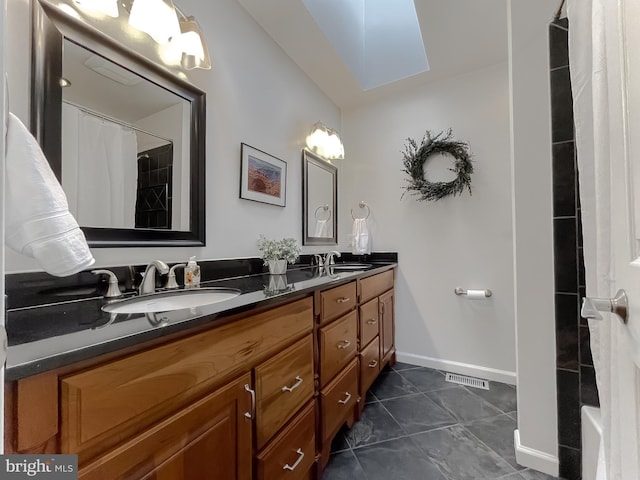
115,120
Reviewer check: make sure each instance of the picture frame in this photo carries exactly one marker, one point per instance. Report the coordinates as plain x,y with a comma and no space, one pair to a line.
263,177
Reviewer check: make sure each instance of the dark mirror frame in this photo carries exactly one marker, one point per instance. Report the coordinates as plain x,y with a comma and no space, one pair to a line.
307,159
50,27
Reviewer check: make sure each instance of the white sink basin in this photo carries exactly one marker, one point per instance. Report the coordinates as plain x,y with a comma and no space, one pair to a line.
167,301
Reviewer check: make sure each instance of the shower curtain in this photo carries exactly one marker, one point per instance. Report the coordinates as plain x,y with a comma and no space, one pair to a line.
100,170
594,57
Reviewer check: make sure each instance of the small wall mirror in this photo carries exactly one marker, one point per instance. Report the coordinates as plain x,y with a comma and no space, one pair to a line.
320,201
124,136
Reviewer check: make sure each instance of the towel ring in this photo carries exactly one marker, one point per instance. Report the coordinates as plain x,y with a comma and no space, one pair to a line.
362,205
322,207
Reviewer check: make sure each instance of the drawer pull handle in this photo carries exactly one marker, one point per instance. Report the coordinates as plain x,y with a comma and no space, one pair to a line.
344,344
343,300
373,364
253,401
293,467
372,321
346,399
295,385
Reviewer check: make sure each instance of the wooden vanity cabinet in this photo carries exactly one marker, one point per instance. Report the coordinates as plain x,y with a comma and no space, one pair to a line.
377,328
184,409
258,396
356,340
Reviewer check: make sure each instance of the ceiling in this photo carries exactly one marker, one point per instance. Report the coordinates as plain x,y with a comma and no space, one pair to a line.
459,36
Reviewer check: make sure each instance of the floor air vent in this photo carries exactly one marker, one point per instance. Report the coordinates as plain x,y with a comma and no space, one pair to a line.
467,381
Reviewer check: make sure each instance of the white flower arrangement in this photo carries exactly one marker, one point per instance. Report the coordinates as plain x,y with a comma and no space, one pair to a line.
285,249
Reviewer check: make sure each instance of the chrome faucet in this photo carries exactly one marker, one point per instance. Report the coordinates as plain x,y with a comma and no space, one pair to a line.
329,258
113,290
148,283
171,278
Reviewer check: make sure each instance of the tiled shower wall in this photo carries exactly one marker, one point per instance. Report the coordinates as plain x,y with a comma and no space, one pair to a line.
155,188
575,374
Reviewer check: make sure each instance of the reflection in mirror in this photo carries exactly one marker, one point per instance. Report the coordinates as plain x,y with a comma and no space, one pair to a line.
320,201
124,136
131,136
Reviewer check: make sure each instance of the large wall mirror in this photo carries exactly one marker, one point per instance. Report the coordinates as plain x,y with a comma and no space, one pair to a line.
319,201
125,137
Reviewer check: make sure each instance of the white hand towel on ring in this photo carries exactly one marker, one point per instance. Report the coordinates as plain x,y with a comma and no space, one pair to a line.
322,229
38,222
361,237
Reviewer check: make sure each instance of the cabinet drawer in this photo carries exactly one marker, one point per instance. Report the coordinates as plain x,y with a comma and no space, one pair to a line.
369,365
338,399
369,321
208,439
103,406
338,345
337,301
291,454
283,384
373,286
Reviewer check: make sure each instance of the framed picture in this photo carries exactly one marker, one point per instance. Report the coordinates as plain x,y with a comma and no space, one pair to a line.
263,177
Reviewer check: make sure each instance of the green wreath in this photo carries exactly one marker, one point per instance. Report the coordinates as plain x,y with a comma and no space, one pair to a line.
414,160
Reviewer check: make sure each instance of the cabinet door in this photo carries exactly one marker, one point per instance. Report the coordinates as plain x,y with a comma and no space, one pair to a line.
386,325
208,439
369,319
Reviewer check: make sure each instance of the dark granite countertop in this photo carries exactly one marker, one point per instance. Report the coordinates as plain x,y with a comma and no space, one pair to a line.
49,336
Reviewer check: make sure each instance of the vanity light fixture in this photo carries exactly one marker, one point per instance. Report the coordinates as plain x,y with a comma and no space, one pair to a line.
105,7
325,141
155,17
191,44
180,35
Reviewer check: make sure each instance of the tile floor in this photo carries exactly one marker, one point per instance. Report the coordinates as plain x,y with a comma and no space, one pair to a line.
416,426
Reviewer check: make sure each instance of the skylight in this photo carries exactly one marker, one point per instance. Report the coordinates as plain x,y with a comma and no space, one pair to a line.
379,40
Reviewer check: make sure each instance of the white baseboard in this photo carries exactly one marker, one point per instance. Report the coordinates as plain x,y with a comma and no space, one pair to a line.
494,374
541,461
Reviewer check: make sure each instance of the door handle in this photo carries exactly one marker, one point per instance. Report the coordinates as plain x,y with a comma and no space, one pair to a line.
293,467
618,305
294,386
252,392
346,398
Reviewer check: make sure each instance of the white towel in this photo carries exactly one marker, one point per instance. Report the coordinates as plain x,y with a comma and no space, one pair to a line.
361,237
322,229
38,222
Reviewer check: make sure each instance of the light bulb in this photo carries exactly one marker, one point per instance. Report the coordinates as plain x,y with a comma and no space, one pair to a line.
156,18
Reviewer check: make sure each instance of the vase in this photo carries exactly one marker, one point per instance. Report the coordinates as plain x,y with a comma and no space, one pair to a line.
277,267
277,283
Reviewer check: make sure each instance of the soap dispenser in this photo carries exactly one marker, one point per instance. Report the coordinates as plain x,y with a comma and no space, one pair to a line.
192,274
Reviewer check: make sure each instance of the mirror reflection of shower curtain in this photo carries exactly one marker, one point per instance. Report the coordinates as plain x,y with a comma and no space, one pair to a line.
99,169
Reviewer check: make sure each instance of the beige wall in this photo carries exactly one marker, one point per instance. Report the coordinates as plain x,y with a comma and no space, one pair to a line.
461,241
533,242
